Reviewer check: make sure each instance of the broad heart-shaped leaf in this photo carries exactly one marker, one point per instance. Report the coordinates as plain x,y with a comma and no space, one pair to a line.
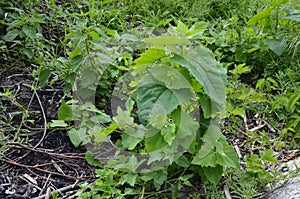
152,95
207,71
171,77
223,155
129,141
65,112
206,155
276,45
213,174
132,136
44,74
209,159
155,142
76,136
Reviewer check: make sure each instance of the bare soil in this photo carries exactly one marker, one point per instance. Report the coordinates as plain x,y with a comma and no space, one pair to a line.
42,159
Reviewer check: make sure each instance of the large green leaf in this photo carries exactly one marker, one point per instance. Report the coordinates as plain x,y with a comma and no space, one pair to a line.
213,174
44,74
155,142
76,136
65,112
162,41
276,45
158,120
149,57
186,128
206,70
213,132
208,160
207,155
129,141
170,77
152,95
261,17
173,139
132,136
227,156
219,153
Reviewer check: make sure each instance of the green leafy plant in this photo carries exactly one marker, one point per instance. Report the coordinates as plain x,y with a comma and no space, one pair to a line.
242,185
256,165
170,98
293,124
165,108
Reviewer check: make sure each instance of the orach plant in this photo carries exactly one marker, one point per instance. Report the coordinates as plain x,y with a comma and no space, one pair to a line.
167,106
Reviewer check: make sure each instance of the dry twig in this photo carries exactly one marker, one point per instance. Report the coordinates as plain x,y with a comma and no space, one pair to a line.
45,120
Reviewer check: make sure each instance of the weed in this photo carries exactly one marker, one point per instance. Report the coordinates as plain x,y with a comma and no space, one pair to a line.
257,41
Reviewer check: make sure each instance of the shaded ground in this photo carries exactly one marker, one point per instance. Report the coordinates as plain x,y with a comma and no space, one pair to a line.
46,158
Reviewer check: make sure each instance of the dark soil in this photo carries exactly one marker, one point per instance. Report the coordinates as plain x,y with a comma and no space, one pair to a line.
41,159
